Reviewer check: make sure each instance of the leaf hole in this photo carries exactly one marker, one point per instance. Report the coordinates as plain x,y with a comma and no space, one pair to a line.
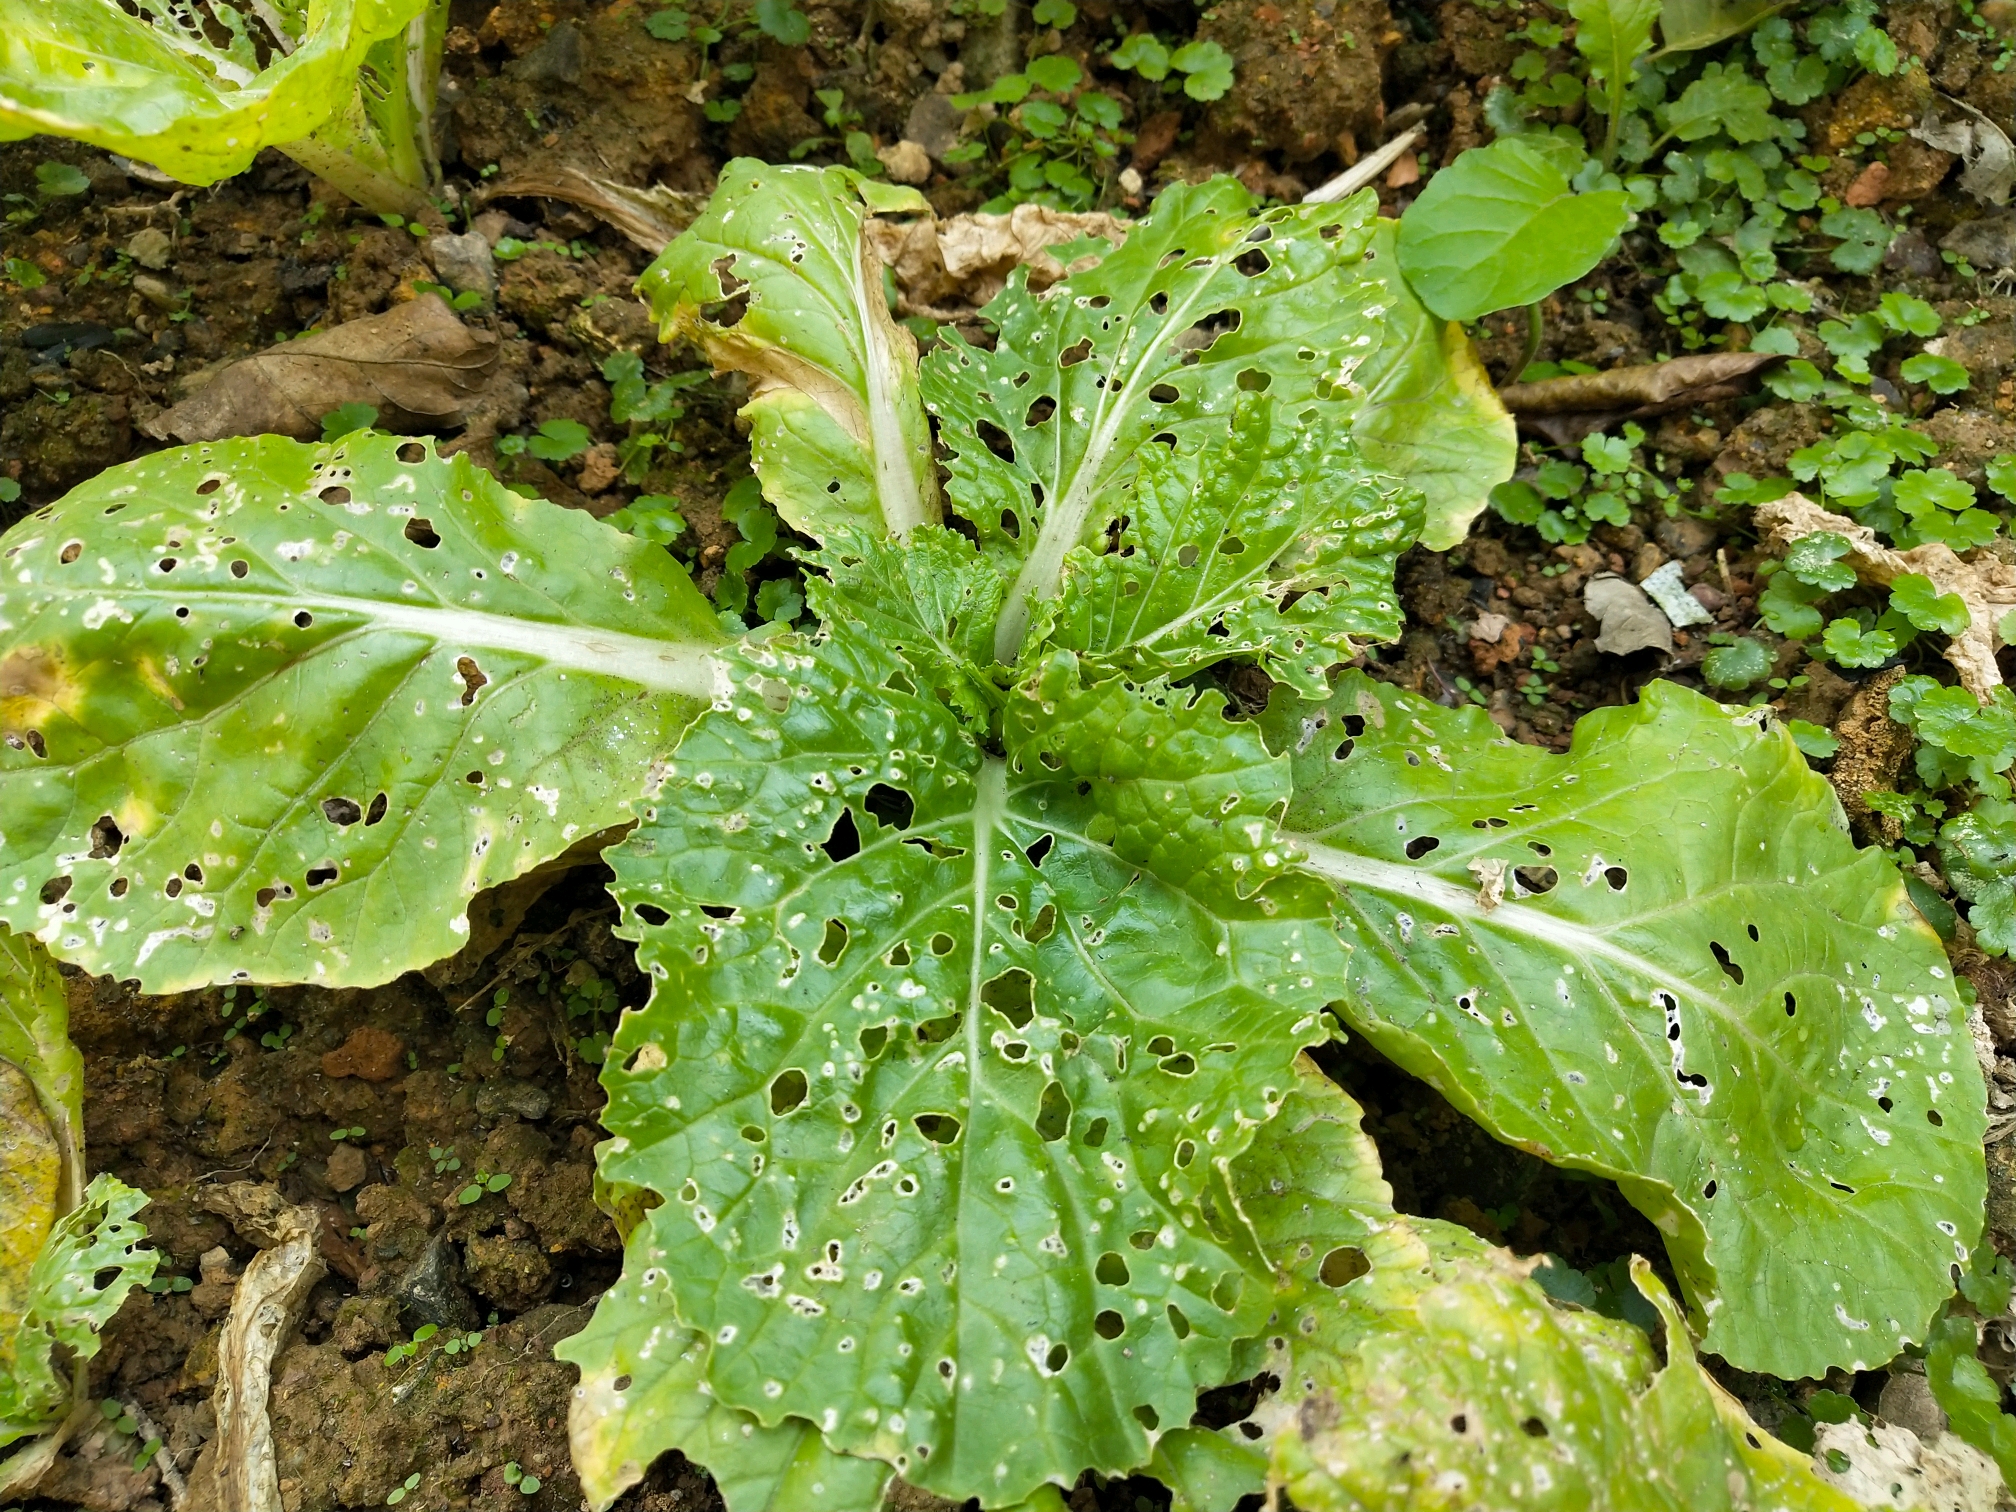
303,619
1165,393
1039,848
788,1092
265,896
1177,1321
943,944
1182,1064
899,954
1012,995
376,812
1754,936
474,779
652,914
1112,1270
1042,926
1253,381
1932,1117
833,944
1537,879
166,564
1420,845
937,1031
1011,525
472,678
1053,1113
421,532
1616,877
1709,1191
1729,968
1231,546
892,807
105,839
1539,849
1459,1424
1343,1265
874,1040
844,839
1041,408
1344,749
240,567
70,552
1186,556
996,440
321,874
1142,1239
1058,1358
1075,353
1109,1324
173,889
900,683
412,452
1533,1428
118,887
1095,1133
753,1134
1252,264
1225,1295
1186,1152
341,812
335,493
939,1128
56,889
1885,1104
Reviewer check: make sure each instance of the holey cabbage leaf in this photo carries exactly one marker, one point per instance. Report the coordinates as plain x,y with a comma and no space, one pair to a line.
1206,300
953,1023
277,712
345,86
1221,549
777,281
1419,1366
1658,958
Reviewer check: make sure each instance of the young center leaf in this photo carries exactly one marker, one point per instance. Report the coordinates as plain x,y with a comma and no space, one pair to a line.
1204,301
276,712
187,90
1501,227
1658,958
776,280
952,1024
1279,545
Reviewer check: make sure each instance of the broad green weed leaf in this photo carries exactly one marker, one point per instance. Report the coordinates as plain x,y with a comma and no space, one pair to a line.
616,1434
1690,25
1204,300
1658,958
1723,100
187,96
1217,540
68,1305
1969,1396
839,435
1501,227
1612,33
277,712
934,1120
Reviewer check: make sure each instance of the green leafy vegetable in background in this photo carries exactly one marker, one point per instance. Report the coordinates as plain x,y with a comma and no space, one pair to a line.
347,88
1501,226
966,1136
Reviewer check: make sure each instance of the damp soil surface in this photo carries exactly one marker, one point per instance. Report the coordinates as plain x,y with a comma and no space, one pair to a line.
383,1107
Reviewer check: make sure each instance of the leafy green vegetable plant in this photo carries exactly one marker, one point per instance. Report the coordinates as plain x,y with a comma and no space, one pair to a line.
987,908
346,87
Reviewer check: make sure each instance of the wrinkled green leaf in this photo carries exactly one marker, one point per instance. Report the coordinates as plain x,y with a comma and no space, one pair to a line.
192,98
1217,540
1612,33
41,1128
1204,299
838,436
67,1305
1912,596
1693,983
277,712
1501,227
1723,100
934,1121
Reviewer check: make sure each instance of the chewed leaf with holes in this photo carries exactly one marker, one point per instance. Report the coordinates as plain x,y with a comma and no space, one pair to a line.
177,89
1203,301
1658,958
933,603
643,1391
277,712
1417,1365
87,1264
943,1051
776,280
1218,541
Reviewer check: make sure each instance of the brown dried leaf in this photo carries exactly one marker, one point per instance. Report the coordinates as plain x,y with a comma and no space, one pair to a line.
1986,586
1631,388
417,363
964,261
650,217
1630,620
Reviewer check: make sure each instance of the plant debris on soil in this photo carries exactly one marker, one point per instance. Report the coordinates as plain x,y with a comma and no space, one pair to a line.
149,310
